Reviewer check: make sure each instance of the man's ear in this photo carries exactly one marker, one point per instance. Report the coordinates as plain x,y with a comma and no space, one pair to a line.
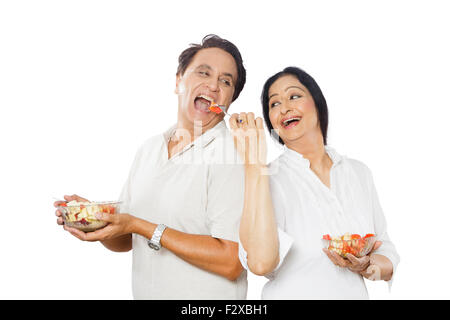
177,84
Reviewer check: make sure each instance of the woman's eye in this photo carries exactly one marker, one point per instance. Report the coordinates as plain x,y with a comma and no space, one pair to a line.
274,104
295,96
203,73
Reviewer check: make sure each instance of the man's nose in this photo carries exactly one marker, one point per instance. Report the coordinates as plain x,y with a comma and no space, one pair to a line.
213,84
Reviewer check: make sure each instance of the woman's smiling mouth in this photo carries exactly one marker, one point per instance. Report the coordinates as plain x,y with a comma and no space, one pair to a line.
290,122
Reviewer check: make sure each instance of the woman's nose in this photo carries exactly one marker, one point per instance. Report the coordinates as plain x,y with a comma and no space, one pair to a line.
285,107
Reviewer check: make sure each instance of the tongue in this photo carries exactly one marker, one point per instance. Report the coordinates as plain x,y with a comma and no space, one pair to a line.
202,104
291,122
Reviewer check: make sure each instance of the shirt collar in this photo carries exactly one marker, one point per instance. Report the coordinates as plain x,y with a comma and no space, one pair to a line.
205,139
335,157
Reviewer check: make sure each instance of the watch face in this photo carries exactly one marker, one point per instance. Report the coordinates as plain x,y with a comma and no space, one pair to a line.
153,246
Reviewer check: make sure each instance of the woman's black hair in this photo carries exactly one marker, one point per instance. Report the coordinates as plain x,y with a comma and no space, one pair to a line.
309,83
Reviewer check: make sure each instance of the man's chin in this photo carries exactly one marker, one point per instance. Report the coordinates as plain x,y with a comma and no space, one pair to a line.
205,122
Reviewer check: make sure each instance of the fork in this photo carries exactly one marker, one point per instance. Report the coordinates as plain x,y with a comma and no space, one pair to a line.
224,108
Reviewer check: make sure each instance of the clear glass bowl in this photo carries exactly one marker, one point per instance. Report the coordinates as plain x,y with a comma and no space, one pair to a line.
81,215
358,247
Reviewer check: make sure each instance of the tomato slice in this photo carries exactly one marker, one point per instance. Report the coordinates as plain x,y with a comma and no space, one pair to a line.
64,204
215,109
356,236
369,235
326,237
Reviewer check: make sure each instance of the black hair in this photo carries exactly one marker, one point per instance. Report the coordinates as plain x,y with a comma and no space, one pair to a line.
214,41
313,88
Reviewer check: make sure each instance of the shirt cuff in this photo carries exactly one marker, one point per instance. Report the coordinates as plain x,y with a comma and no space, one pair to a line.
393,258
285,244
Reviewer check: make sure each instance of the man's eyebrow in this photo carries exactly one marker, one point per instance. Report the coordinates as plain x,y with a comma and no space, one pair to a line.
227,74
204,66
294,87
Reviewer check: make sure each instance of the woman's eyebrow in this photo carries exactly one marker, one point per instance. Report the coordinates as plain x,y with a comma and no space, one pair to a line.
275,94
294,87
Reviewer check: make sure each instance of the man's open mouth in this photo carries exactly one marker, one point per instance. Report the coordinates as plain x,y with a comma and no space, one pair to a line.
203,102
291,122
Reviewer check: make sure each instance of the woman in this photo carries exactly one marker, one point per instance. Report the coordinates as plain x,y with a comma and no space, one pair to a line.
309,191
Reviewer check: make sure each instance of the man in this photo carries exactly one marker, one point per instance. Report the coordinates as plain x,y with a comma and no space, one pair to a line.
183,198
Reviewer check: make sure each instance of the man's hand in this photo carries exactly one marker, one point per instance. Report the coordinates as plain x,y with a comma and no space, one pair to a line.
119,224
58,213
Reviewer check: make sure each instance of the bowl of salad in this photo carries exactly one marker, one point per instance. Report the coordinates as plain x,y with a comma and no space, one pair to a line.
354,244
81,215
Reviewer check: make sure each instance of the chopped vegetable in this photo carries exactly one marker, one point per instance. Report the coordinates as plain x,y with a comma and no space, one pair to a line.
215,109
349,244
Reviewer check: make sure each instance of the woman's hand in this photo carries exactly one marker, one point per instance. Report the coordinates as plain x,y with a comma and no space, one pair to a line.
249,138
119,224
361,265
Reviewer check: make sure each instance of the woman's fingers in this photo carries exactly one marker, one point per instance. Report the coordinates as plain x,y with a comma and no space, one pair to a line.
354,260
251,120
335,258
243,120
328,253
248,134
341,261
233,121
259,124
358,264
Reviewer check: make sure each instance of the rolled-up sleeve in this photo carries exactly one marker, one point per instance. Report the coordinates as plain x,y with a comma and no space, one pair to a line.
387,248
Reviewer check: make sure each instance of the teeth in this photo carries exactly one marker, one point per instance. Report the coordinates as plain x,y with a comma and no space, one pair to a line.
285,122
206,98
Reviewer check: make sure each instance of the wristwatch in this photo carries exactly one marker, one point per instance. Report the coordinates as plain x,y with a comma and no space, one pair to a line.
155,241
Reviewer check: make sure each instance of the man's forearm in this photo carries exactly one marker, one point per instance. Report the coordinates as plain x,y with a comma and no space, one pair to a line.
119,244
203,251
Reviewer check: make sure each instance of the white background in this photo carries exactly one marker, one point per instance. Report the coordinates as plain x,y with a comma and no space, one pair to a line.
84,83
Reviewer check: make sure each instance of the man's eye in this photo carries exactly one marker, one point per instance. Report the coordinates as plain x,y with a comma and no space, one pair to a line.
204,73
227,82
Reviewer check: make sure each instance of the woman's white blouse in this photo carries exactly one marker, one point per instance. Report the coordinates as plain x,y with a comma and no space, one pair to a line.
306,210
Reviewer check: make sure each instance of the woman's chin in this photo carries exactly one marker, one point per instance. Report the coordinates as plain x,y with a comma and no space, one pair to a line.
290,135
